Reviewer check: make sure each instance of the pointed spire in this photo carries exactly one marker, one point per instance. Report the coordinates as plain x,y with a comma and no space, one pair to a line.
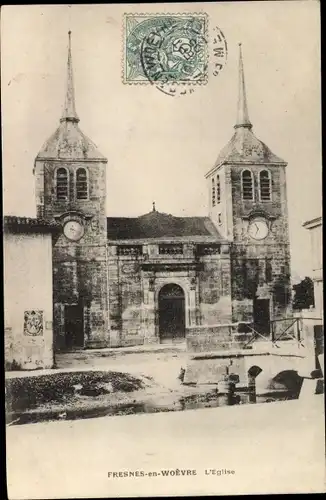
243,116
69,112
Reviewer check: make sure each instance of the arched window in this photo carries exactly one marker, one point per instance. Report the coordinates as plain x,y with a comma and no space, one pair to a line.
218,189
265,190
81,184
62,186
247,185
213,192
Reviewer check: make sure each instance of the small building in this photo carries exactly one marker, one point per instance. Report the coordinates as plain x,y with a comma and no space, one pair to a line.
28,303
315,227
312,319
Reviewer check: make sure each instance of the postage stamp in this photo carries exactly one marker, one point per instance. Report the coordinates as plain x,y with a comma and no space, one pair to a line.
164,48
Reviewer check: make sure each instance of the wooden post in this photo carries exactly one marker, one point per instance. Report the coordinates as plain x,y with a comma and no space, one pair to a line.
298,330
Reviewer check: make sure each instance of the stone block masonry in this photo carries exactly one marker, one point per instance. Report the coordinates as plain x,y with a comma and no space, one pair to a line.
28,295
135,281
158,277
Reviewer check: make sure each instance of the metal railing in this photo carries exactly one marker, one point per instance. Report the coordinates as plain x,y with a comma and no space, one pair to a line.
296,323
290,331
254,337
280,331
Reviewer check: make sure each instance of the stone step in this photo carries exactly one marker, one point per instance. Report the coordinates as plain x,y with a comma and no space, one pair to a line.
68,358
232,345
241,337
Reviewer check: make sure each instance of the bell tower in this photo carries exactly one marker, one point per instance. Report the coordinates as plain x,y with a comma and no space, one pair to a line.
248,205
70,175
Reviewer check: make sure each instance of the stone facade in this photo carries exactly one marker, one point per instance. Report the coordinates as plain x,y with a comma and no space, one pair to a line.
28,306
80,268
261,269
247,188
136,279
153,278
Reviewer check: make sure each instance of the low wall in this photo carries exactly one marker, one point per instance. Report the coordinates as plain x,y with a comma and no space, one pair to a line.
28,307
24,352
207,338
312,332
271,372
210,370
126,338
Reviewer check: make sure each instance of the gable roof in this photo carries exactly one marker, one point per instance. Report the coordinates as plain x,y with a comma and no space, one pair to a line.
161,225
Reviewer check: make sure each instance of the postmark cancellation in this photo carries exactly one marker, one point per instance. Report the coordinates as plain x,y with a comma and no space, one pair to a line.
165,48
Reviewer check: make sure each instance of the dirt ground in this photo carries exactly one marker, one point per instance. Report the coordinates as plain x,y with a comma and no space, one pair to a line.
109,383
90,387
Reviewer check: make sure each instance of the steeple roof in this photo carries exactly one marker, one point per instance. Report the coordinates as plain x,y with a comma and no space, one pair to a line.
69,111
68,142
242,116
244,146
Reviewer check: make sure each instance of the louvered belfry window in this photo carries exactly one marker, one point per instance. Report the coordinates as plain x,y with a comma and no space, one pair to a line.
218,189
62,188
247,185
81,184
213,192
265,186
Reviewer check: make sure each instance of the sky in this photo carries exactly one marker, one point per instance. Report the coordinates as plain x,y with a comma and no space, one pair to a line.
159,147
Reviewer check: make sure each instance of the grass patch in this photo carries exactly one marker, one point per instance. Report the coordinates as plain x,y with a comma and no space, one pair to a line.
23,393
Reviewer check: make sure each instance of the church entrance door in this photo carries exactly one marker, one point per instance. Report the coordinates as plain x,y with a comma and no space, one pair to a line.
262,316
74,326
171,308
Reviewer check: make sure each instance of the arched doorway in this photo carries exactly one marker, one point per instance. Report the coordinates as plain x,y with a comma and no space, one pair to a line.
171,312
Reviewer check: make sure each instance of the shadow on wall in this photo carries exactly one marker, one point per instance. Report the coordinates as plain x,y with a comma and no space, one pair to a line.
12,366
287,379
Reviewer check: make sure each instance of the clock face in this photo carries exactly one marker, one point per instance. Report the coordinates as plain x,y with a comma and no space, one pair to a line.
258,229
73,230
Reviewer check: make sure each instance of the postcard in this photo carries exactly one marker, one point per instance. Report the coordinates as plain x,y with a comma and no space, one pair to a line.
163,274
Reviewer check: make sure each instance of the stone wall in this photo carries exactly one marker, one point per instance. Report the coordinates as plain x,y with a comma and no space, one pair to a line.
263,272
47,204
220,212
221,337
28,301
315,227
260,267
210,369
80,277
135,279
125,299
80,268
208,338
215,289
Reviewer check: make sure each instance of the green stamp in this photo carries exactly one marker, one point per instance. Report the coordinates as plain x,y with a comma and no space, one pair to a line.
165,48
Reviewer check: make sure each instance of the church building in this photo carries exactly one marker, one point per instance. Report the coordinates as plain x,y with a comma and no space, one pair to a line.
122,281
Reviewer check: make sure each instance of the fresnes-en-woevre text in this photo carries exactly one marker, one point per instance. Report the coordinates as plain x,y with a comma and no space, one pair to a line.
169,473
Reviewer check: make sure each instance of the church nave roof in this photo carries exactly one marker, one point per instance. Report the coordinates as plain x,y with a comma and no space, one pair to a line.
161,225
